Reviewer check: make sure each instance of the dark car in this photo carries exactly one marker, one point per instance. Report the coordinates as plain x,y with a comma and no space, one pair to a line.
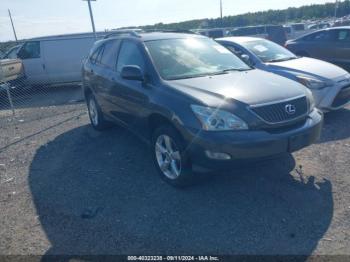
331,45
274,33
197,104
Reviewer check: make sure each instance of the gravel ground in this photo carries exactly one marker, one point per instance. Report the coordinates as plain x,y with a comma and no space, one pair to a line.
66,189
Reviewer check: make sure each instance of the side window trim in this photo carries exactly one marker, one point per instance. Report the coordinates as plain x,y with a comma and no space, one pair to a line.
99,55
95,54
118,54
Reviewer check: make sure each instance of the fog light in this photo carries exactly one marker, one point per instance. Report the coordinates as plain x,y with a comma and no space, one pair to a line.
217,156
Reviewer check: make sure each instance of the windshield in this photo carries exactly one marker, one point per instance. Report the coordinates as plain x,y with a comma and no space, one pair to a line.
268,51
192,57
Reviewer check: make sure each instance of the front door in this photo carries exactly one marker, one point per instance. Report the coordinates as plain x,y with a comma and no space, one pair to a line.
130,96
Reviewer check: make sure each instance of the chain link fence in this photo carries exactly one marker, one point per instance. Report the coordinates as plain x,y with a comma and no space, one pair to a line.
34,107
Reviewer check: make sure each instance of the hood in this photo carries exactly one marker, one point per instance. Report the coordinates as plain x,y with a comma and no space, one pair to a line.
309,66
250,87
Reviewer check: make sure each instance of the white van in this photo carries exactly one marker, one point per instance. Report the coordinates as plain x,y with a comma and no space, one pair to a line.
55,59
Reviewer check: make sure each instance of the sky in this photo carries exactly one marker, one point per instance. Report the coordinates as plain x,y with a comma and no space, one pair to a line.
47,17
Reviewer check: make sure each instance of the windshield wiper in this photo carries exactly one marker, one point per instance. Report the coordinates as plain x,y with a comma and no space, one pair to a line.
281,59
222,72
237,69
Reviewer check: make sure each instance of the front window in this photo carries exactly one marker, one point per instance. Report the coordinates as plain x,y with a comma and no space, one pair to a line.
268,51
130,54
12,53
192,57
322,36
30,50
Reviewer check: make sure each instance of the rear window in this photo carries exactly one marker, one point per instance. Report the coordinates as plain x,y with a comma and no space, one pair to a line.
343,35
319,36
109,54
94,58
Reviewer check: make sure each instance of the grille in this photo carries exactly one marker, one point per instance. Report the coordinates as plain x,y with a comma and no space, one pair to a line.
277,113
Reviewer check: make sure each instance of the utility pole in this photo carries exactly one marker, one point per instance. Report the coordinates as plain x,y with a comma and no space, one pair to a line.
91,17
13,27
336,10
222,22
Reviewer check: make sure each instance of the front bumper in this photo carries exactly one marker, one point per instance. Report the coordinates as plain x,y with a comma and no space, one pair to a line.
252,144
332,98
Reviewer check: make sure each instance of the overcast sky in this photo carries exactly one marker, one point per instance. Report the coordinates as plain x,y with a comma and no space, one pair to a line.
46,17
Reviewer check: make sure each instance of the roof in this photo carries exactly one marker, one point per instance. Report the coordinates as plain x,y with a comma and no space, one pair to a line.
152,36
338,27
66,36
239,39
321,30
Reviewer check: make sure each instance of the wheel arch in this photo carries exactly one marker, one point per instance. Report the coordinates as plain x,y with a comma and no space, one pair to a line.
156,120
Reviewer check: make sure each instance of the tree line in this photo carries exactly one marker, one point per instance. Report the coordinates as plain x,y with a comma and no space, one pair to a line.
292,14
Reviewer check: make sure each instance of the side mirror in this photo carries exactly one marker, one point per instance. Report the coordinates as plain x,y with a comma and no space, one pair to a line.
132,72
247,60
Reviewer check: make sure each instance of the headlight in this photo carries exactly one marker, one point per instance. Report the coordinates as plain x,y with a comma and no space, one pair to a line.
312,83
311,100
213,119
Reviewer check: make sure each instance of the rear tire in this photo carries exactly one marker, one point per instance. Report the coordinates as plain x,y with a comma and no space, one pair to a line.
96,116
170,158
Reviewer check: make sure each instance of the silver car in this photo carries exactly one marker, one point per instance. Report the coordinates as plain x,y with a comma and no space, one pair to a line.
329,84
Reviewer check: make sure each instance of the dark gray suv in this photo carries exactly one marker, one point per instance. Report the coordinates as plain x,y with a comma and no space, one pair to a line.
196,103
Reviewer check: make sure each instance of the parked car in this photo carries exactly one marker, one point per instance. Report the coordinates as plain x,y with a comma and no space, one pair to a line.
11,73
298,26
331,44
197,103
55,59
329,84
10,69
295,30
317,26
212,33
275,33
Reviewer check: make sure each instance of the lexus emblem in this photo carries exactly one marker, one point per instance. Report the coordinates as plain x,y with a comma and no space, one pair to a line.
290,109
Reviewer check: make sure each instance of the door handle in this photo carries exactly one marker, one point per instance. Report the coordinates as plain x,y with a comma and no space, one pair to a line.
44,67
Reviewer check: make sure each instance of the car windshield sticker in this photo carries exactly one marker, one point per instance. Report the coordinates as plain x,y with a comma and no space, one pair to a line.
260,48
221,49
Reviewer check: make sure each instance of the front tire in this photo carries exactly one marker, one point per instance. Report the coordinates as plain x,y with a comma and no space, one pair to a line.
170,158
97,119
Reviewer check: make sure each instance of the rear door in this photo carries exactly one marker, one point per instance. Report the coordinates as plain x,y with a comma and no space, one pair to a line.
320,45
33,61
342,47
64,57
105,75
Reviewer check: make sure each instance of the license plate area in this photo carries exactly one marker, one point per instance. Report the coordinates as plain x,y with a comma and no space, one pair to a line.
298,142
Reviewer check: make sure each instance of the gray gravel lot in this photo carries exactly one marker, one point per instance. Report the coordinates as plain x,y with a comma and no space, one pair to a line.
66,189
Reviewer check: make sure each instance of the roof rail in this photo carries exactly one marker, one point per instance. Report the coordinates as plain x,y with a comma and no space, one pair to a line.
135,32
123,32
170,31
